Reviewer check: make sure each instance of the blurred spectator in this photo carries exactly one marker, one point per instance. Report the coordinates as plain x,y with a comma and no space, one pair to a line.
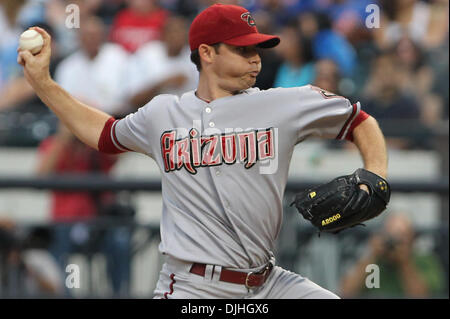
15,16
9,40
163,66
327,76
27,268
63,153
185,8
14,92
281,11
437,33
328,44
96,74
203,4
384,96
308,24
410,59
56,16
403,270
139,23
297,68
417,79
348,17
409,18
105,9
436,50
438,60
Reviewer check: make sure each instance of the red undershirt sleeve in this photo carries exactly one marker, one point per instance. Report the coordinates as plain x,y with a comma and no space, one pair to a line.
106,142
353,121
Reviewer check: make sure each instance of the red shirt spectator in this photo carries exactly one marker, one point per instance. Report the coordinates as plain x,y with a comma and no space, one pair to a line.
138,24
60,155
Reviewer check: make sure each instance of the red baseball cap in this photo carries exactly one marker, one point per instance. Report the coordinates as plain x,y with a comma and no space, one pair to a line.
228,24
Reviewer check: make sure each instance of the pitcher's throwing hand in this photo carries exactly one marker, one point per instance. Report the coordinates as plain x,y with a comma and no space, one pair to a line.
36,67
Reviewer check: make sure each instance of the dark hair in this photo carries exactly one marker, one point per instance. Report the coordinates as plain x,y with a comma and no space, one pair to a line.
39,237
323,21
389,8
307,50
195,56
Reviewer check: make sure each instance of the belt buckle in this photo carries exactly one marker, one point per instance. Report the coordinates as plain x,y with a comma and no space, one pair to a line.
246,280
263,273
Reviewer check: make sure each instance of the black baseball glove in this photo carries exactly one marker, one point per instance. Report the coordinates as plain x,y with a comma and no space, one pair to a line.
341,203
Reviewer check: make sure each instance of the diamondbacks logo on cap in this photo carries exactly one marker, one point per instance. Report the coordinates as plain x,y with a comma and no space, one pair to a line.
246,17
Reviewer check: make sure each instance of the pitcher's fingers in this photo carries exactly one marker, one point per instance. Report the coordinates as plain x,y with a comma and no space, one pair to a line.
20,60
25,56
47,38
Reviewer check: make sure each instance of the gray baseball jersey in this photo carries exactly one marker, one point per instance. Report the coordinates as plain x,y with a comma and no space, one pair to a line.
225,165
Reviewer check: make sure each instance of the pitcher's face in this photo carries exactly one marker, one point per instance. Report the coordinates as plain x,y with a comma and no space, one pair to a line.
237,66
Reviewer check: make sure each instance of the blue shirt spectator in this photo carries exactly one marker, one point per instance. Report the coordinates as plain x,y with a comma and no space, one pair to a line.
290,76
328,44
297,67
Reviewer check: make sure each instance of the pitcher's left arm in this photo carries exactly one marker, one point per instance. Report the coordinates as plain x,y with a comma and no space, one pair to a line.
369,140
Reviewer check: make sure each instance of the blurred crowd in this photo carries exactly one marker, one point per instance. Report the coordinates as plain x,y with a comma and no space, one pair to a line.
393,59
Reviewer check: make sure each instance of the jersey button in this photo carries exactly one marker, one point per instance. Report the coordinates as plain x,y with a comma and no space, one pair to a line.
208,110
218,173
211,124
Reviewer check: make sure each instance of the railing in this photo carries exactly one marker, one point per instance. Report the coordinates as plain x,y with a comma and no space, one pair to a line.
102,182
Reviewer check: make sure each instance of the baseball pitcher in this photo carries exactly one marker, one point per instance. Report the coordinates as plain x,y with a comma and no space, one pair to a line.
224,151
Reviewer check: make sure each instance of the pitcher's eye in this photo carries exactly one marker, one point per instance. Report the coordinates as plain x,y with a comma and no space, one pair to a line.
245,50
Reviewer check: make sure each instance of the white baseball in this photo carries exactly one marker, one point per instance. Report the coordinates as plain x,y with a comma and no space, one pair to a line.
31,40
